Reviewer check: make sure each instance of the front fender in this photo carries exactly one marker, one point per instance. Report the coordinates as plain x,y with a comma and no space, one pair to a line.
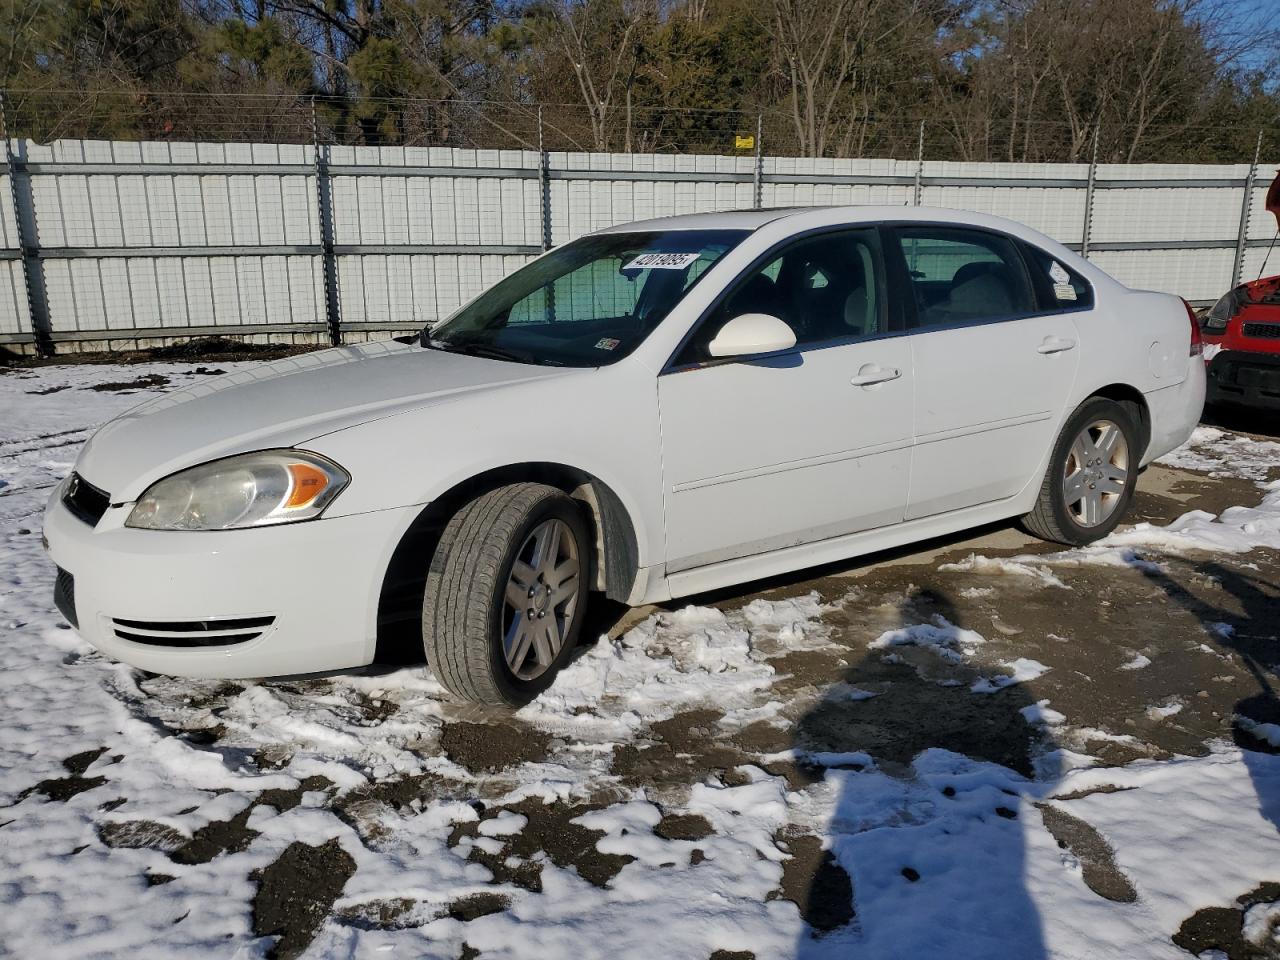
603,423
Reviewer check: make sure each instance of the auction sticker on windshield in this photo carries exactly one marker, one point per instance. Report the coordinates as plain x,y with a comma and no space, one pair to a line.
662,261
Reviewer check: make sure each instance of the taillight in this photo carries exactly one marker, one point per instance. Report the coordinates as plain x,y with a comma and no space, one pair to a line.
1197,339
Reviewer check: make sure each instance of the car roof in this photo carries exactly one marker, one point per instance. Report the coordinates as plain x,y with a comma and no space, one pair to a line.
816,217
856,213
724,220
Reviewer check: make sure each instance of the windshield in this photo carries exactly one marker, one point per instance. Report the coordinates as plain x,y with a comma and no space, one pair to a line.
587,304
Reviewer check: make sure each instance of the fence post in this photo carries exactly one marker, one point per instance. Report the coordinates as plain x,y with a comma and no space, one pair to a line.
1088,197
324,198
915,197
1242,238
757,193
24,219
544,186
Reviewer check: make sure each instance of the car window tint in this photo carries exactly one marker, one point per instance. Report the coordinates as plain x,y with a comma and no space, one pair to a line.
601,288
588,303
594,290
827,287
962,276
1059,287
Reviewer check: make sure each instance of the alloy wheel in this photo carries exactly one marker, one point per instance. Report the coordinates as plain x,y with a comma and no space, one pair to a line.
1096,473
541,599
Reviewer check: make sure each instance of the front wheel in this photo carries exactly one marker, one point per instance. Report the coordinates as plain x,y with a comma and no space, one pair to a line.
1091,476
506,594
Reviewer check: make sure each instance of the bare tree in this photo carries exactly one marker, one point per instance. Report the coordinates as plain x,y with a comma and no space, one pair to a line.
832,60
602,43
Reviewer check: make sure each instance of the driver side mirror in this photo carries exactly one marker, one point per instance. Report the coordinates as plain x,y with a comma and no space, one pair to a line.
751,334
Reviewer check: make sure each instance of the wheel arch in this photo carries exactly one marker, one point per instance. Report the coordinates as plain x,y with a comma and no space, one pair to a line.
1133,401
616,550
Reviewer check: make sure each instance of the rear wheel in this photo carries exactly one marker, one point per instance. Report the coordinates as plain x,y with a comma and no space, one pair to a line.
506,594
1091,476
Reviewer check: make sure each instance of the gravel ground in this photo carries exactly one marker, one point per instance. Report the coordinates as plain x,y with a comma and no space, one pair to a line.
982,746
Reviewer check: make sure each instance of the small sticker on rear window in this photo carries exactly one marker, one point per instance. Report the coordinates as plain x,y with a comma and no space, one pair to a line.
1064,291
607,343
662,261
1058,274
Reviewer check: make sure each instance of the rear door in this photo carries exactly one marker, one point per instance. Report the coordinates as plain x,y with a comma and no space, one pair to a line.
994,362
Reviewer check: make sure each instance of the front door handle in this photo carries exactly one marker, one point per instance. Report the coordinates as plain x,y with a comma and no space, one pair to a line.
872,373
1055,344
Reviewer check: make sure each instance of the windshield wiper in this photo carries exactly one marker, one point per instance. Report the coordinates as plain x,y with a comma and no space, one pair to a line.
489,351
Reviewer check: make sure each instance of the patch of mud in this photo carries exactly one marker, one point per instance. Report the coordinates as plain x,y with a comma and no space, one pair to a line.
1165,608
815,882
78,763
216,838
489,748
62,789
1223,928
233,835
209,349
141,383
478,905
1097,859
549,830
680,750
1180,491
915,714
296,892
683,826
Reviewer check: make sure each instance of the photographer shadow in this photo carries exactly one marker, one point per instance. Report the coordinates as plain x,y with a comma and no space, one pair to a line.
1251,634
927,854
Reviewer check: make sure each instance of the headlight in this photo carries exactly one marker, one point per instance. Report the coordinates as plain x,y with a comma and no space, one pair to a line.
251,490
1216,320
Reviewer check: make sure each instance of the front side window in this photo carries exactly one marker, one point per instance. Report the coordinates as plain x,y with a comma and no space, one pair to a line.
826,287
587,304
960,276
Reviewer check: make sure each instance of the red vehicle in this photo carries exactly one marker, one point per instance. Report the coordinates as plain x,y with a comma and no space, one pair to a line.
1242,338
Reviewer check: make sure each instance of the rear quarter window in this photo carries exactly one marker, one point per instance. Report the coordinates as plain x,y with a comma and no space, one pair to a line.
1058,287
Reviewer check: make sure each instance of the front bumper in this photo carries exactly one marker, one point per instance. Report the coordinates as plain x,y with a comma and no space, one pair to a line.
309,592
1249,379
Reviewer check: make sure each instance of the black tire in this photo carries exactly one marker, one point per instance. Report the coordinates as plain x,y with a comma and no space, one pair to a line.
1051,519
463,605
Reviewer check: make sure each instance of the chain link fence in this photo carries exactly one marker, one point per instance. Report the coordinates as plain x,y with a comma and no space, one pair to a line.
134,219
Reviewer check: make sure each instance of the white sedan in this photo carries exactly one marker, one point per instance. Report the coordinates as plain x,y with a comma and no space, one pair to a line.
654,410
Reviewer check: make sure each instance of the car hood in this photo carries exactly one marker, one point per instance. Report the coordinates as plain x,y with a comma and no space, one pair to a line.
282,404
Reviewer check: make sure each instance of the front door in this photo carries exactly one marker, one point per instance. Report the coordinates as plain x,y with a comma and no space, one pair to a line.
760,454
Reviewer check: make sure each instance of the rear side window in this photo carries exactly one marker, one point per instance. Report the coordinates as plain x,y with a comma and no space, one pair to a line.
960,276
1057,285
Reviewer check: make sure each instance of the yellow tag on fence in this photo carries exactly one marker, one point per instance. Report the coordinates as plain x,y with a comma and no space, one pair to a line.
744,143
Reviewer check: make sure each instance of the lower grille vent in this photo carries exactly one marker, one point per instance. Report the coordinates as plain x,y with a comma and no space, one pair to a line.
1262,331
192,633
64,597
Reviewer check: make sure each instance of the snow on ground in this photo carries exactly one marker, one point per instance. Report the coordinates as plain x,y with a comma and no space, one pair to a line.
145,816
1222,454
1237,529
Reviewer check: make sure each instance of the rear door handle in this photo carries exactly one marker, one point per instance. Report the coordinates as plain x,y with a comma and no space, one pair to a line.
1055,344
872,373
